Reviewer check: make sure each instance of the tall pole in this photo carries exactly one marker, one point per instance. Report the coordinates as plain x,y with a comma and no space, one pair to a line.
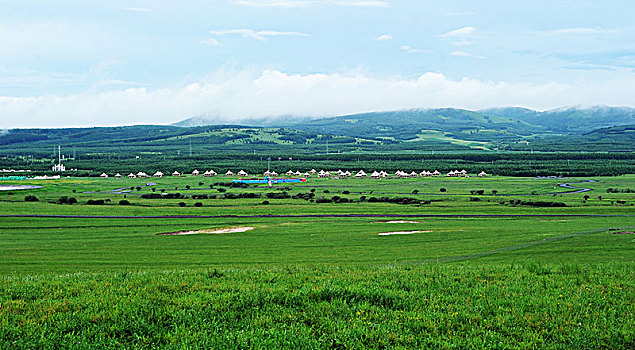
59,154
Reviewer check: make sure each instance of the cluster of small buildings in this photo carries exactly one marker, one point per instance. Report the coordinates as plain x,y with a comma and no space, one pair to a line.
312,172
142,175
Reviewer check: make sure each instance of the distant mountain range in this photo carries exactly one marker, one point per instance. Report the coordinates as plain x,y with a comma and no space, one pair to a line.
570,119
415,130
407,124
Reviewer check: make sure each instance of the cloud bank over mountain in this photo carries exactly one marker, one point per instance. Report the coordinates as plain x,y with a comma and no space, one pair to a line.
235,96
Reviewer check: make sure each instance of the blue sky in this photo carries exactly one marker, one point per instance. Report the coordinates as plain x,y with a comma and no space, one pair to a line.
76,63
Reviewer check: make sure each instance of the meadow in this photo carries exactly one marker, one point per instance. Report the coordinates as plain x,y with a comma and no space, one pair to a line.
488,263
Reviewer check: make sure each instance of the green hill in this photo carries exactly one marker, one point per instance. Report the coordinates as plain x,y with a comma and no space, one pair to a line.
570,119
424,124
417,130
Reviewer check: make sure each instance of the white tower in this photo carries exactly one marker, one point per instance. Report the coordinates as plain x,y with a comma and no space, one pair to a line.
59,166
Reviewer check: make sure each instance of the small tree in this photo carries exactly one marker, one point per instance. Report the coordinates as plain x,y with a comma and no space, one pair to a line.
124,202
30,198
198,204
182,204
442,189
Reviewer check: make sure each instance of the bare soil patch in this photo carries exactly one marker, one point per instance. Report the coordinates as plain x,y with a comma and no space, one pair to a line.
401,233
213,231
622,233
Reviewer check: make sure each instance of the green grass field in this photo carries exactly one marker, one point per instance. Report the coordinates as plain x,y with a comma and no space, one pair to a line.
489,265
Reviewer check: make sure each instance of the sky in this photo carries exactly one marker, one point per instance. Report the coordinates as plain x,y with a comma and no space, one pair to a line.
96,63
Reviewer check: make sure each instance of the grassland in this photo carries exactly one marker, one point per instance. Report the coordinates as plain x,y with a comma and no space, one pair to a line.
486,270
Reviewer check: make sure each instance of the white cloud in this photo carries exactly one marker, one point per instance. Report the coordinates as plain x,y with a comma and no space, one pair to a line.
459,33
260,35
234,96
384,37
582,30
211,41
465,54
410,49
305,3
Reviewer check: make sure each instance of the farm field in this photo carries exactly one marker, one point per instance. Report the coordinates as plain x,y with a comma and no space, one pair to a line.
495,262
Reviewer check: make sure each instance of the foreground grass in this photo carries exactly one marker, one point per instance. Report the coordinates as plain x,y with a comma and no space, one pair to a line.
440,306
310,282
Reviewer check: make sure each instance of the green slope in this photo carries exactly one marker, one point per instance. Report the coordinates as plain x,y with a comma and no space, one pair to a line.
410,124
570,119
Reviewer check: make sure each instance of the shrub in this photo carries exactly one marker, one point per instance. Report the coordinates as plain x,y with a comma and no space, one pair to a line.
95,202
124,202
474,199
66,200
415,191
198,204
323,200
221,190
278,195
30,199
265,202
442,189
346,192
181,204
